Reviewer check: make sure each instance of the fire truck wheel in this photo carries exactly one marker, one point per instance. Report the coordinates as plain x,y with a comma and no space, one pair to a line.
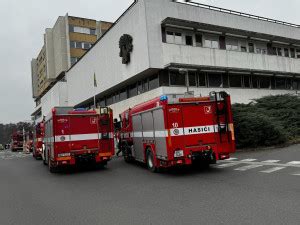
150,161
52,169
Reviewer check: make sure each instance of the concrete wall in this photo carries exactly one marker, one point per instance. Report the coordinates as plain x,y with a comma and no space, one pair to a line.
190,55
158,10
104,61
57,96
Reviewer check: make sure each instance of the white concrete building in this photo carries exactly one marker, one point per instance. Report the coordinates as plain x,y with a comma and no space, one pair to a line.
245,55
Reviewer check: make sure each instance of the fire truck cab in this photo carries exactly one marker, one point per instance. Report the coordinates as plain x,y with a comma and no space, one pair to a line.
38,137
174,131
74,136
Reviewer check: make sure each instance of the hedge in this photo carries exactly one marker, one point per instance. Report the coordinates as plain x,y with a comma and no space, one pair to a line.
267,121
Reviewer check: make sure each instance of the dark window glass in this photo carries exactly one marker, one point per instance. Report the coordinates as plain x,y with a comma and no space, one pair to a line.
202,80
123,95
189,40
192,79
86,45
164,78
235,80
255,82
243,48
215,80
73,60
225,80
71,28
289,83
251,47
78,44
198,40
93,31
297,53
146,85
274,50
280,83
170,33
132,91
72,44
247,81
279,51
153,82
265,82
116,98
286,52
109,100
296,84
292,52
102,103
140,87
176,78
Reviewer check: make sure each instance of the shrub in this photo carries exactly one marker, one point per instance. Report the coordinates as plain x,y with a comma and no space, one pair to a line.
268,121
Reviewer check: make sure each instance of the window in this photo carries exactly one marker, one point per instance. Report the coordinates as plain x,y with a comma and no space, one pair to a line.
192,79
71,28
72,44
235,80
177,79
102,103
298,53
133,91
215,80
140,87
164,78
232,45
153,82
292,52
211,42
289,83
280,83
174,37
146,85
243,48
86,45
189,40
198,40
78,45
109,100
251,47
93,31
255,82
123,95
286,52
279,51
116,98
225,78
247,81
296,84
73,60
202,80
265,82
83,30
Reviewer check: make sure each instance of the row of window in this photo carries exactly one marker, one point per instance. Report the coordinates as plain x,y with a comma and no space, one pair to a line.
201,79
80,45
83,30
229,43
74,60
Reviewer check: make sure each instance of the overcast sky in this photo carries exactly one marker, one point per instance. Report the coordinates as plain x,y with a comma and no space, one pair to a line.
24,23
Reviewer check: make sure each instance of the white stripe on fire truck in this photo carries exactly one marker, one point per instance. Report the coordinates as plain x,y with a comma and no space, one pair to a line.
79,137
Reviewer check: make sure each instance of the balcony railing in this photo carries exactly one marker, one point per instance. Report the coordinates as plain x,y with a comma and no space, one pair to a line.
214,8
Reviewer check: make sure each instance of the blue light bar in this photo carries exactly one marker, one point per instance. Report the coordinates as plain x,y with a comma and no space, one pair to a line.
164,98
79,109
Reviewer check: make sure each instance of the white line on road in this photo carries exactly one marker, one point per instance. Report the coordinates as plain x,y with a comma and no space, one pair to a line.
244,168
230,159
248,160
273,169
227,165
294,163
271,161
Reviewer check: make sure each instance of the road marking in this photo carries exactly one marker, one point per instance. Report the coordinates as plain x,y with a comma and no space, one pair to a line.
230,159
248,160
296,174
294,163
244,168
271,161
227,165
271,170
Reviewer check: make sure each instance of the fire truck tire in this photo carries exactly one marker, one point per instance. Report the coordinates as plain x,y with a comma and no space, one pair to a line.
52,169
150,161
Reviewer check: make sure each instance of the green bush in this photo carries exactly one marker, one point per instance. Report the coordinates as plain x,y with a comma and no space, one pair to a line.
268,121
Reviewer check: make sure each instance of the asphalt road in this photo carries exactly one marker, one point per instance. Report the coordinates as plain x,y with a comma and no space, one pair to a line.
252,188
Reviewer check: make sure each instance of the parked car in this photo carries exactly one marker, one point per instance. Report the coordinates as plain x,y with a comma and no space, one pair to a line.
1,147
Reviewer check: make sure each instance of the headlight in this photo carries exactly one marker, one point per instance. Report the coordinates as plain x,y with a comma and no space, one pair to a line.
64,154
178,153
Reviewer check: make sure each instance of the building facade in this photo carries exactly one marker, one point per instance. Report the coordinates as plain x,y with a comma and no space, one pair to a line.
156,45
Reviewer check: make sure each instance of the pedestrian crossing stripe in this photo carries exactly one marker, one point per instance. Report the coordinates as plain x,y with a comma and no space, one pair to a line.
273,169
271,161
227,165
248,160
244,168
294,163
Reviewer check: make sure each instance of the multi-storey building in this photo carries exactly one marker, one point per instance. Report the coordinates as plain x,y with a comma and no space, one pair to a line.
64,45
167,47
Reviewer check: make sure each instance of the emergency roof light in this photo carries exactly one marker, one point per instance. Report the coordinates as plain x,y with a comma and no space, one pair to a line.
164,98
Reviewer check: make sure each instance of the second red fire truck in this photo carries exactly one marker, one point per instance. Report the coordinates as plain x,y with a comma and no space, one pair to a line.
74,136
170,131
17,141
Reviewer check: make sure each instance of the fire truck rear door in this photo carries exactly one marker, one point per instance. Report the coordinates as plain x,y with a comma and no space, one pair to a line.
199,124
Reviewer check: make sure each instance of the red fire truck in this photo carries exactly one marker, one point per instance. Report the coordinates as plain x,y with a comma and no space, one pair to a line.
78,136
38,137
171,131
17,140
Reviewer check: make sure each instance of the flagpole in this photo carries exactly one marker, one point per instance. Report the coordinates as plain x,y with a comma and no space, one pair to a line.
95,91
